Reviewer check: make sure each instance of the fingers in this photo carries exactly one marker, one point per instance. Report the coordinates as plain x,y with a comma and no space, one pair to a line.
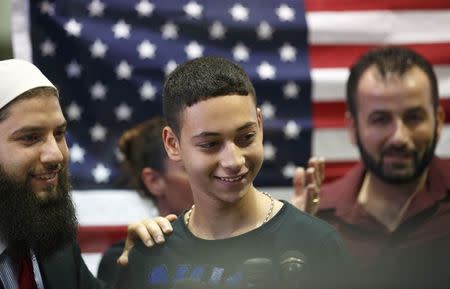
171,217
321,168
299,197
164,223
156,228
312,186
318,163
123,258
298,181
314,177
313,200
307,184
149,231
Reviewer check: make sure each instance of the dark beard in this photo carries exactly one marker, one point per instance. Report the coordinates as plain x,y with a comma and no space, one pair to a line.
27,222
376,167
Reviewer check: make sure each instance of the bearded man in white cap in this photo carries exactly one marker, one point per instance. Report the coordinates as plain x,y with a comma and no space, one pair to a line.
38,248
37,217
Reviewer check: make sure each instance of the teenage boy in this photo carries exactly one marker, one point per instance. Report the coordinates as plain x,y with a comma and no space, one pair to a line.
234,235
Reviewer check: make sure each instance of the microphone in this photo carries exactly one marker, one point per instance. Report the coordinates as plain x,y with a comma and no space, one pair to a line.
258,274
291,266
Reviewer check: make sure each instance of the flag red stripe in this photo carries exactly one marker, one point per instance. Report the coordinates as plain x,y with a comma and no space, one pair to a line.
332,114
352,5
325,56
329,114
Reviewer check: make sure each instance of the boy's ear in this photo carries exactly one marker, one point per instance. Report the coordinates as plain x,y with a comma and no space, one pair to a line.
351,126
259,117
171,143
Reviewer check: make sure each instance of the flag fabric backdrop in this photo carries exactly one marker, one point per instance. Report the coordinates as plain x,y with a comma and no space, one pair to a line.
109,59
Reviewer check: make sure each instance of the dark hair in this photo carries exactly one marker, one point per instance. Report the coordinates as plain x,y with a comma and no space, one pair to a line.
142,147
201,79
44,90
397,60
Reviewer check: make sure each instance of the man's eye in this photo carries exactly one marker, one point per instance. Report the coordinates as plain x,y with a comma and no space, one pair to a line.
414,118
30,138
379,120
208,145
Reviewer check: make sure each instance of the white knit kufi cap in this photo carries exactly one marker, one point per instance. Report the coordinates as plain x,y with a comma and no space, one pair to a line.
18,76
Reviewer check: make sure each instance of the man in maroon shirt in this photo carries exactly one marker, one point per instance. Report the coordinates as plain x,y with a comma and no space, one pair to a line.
393,208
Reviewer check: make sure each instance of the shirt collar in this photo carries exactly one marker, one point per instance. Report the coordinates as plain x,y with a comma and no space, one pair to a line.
437,188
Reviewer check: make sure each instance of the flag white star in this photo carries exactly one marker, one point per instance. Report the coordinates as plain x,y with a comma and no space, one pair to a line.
270,151
267,110
147,91
239,12
101,173
217,30
169,30
123,112
264,31
96,8
144,8
193,10
98,49
74,111
98,133
288,53
47,7
73,69
291,90
288,170
98,91
193,50
123,70
146,49
170,66
266,71
121,30
73,27
285,13
240,52
77,153
47,48
291,130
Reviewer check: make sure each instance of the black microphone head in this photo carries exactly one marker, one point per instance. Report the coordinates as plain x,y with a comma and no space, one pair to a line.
292,265
292,261
258,273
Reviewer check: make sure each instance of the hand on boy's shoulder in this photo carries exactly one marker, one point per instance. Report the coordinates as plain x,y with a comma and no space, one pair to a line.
150,231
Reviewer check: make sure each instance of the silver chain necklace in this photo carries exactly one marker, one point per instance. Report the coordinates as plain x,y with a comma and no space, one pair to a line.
266,219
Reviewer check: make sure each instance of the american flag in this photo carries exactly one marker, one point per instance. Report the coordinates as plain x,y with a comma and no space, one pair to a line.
110,57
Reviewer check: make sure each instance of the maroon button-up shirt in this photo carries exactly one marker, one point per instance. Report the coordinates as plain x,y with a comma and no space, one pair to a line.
421,243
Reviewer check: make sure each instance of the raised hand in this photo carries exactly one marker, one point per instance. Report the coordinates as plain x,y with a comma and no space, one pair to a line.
307,184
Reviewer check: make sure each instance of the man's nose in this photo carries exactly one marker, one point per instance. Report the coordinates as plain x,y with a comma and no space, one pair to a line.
401,133
51,151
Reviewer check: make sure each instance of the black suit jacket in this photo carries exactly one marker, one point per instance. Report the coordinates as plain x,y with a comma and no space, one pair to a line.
66,269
